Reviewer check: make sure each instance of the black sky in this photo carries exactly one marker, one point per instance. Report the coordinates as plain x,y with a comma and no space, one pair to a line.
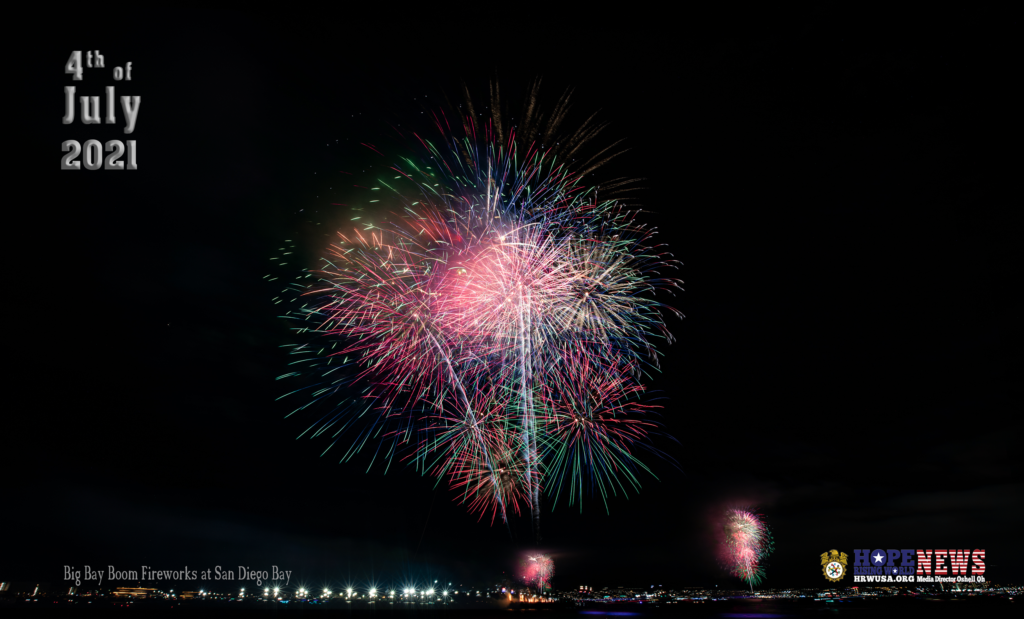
834,190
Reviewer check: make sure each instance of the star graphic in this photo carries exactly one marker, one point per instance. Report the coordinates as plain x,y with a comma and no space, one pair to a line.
894,570
878,558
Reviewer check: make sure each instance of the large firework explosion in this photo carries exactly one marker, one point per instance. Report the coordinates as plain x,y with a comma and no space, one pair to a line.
495,326
745,543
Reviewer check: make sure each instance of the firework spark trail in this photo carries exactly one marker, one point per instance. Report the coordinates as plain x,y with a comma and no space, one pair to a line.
503,315
513,287
746,543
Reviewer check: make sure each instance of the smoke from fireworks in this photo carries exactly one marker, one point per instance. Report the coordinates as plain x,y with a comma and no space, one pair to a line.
745,543
494,328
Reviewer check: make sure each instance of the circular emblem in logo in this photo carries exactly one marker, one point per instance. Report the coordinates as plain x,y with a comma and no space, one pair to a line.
833,564
834,570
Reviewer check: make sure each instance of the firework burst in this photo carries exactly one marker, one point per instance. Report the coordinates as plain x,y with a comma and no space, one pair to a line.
537,571
493,328
746,543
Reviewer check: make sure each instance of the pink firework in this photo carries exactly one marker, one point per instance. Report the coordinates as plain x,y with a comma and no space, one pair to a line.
538,569
745,543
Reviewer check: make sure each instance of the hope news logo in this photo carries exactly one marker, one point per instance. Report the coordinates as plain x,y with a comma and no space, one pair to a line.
906,565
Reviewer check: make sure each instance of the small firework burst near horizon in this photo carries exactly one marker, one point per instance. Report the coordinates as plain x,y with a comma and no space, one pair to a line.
491,326
537,571
744,545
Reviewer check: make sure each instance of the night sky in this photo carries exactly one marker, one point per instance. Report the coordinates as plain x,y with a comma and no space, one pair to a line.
834,192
